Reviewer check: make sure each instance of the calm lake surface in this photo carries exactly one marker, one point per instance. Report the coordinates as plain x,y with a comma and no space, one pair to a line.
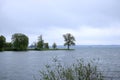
24,65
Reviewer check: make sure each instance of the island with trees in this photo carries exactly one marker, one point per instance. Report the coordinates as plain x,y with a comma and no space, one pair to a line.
20,42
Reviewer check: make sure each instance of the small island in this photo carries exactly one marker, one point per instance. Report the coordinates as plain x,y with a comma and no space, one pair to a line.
20,42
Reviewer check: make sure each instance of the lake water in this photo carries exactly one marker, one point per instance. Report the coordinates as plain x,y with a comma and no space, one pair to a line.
24,65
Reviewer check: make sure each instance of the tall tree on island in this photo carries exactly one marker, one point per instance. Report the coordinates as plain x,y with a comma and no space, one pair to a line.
40,42
54,45
69,40
2,42
20,41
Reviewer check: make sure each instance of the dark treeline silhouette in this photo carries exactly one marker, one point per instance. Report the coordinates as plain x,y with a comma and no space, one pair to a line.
2,42
19,42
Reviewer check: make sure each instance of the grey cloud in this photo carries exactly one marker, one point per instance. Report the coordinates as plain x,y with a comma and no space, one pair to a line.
95,12
64,13
35,17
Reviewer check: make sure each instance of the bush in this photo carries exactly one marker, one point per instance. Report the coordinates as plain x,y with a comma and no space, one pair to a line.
77,71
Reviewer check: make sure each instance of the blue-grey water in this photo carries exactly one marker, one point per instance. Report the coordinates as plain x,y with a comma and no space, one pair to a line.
25,65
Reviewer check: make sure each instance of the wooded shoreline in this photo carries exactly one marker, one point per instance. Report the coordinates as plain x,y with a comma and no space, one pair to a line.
20,42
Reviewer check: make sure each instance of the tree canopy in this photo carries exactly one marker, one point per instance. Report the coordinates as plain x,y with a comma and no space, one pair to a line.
40,42
69,40
2,42
54,45
8,46
20,41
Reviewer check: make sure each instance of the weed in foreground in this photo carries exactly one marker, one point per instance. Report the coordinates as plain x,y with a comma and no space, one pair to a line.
77,71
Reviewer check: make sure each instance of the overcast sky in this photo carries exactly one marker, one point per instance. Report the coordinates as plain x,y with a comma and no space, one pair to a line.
92,22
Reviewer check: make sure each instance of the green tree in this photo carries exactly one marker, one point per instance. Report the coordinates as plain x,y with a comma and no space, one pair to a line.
54,45
69,40
8,46
2,42
46,45
20,41
40,42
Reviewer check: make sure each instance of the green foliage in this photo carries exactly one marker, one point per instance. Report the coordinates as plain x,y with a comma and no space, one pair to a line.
69,40
77,71
40,42
2,42
8,46
40,45
54,45
46,45
20,41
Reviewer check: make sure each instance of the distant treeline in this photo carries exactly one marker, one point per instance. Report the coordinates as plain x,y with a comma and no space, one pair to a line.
19,42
